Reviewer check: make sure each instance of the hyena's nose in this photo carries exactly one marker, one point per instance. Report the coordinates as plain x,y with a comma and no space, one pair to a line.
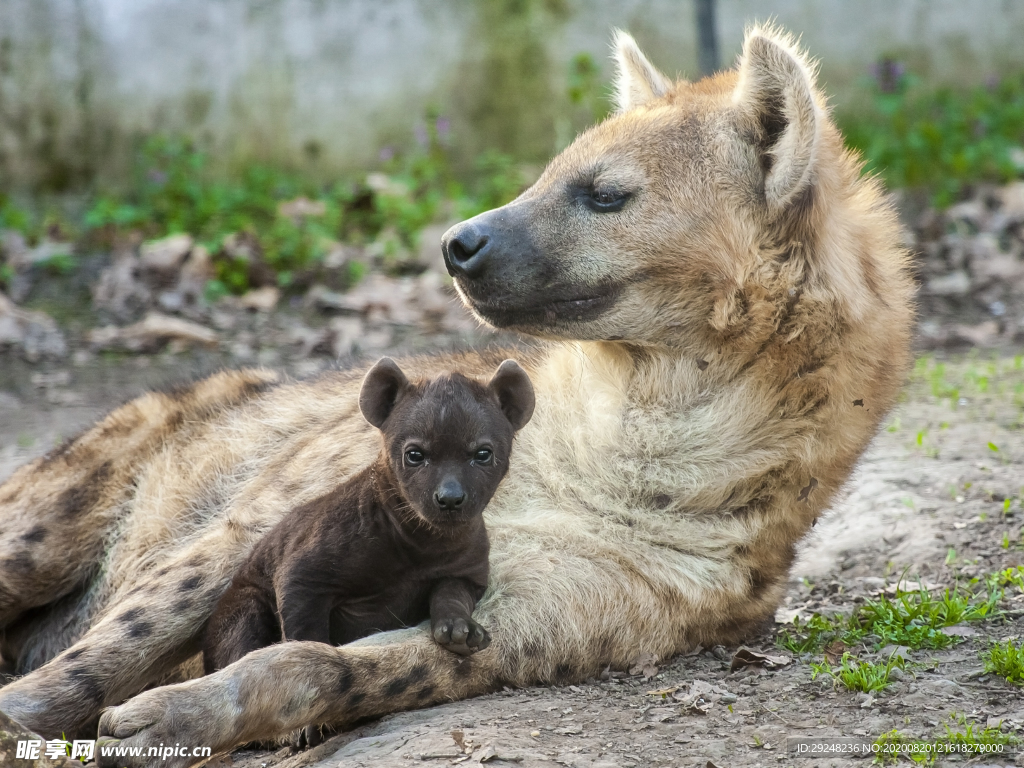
450,495
465,248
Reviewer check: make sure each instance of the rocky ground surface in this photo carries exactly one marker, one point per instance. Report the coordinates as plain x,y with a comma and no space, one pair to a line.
937,499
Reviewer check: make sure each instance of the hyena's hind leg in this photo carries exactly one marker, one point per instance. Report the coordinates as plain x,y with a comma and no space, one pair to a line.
57,510
150,630
243,621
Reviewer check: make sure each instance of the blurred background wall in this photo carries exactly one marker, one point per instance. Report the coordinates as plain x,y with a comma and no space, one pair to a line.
323,85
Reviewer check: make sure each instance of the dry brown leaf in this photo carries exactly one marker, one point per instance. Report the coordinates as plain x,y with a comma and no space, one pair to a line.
746,657
645,664
489,753
959,630
834,651
663,691
698,699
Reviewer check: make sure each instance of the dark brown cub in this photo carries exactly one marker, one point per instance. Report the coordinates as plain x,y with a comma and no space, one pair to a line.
401,541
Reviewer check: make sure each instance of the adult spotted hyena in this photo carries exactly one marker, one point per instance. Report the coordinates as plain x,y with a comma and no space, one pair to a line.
728,312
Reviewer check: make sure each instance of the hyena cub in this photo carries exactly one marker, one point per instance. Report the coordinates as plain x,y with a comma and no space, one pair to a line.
400,541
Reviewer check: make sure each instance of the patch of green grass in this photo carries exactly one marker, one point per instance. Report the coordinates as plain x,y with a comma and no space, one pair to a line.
914,619
858,675
175,189
892,746
1007,661
962,738
1008,577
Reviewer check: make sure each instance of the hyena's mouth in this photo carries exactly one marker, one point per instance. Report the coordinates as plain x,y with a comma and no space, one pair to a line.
543,309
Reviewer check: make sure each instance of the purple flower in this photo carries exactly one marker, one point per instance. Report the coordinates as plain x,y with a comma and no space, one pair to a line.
420,132
386,154
443,127
888,74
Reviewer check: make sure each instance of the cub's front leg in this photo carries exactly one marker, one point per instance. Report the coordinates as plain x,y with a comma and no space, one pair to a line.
451,617
305,610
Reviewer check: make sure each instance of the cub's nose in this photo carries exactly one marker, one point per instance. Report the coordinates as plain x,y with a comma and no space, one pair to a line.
450,495
466,249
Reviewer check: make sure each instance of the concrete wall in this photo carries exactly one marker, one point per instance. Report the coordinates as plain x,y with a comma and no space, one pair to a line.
324,84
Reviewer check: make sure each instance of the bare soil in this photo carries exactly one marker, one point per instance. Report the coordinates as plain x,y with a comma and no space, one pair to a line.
927,501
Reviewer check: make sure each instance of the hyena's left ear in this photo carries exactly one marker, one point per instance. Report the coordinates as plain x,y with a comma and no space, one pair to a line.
636,79
515,393
776,95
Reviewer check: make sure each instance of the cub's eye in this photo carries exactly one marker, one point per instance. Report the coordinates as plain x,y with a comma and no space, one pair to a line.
483,456
606,200
414,457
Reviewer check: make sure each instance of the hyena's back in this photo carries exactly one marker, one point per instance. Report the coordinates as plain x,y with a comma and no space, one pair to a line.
62,511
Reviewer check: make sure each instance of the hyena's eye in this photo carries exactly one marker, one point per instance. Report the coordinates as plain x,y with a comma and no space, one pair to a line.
483,456
606,200
414,457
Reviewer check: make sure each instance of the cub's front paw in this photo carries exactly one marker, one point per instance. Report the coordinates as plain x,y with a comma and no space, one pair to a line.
462,636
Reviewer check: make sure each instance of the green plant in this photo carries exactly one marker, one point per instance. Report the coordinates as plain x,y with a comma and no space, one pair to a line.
939,139
858,675
288,223
586,89
963,738
913,618
1007,661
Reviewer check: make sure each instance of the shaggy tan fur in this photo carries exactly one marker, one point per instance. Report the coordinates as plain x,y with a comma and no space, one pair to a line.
682,444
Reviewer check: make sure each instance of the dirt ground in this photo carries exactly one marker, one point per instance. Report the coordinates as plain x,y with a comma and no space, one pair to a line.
927,501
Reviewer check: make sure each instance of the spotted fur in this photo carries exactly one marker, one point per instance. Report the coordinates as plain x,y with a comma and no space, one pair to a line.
685,438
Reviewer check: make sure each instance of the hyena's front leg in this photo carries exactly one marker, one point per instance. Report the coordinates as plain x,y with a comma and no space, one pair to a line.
276,690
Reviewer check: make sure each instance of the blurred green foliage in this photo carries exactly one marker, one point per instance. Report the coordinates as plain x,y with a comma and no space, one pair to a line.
174,191
941,140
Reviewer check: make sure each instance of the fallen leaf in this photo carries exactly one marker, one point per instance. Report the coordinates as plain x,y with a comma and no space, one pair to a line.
645,664
661,714
959,630
698,699
663,691
834,651
907,585
489,753
745,657
460,739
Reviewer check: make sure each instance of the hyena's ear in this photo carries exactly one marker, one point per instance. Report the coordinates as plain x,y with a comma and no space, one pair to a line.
776,95
636,79
383,385
515,393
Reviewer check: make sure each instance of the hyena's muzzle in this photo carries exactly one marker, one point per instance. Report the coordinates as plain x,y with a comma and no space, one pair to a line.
515,267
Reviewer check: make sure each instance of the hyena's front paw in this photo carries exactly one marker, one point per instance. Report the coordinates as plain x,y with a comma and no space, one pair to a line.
177,722
462,636
307,737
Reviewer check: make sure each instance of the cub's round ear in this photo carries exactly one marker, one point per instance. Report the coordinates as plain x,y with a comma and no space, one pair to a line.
515,393
382,387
